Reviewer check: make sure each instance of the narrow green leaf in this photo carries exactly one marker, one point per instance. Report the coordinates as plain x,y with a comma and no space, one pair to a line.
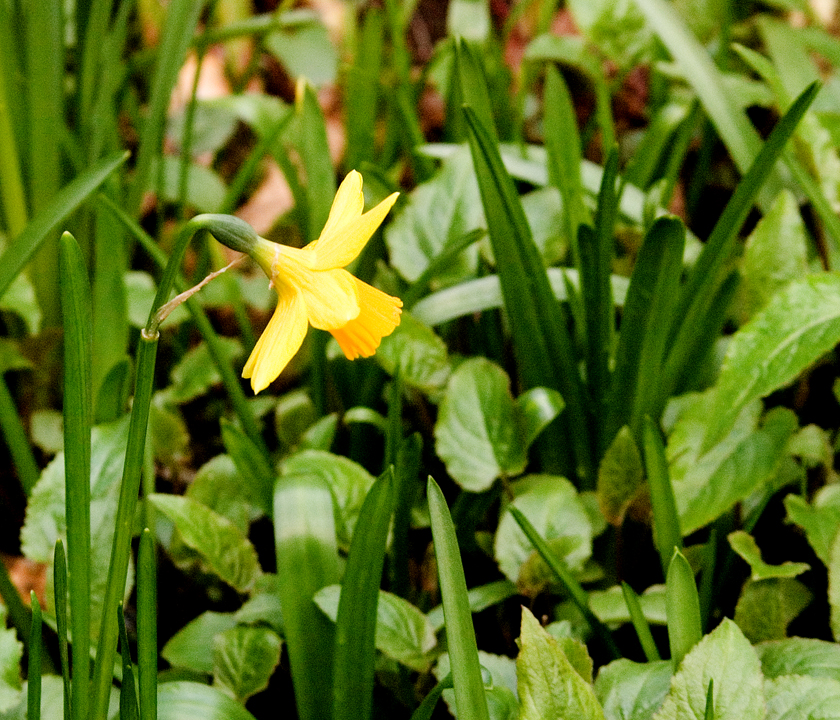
541,339
568,580
147,646
562,144
648,311
682,607
472,85
355,628
24,245
36,653
128,694
666,521
76,309
17,440
708,272
60,590
640,623
363,89
181,19
307,560
460,634
406,491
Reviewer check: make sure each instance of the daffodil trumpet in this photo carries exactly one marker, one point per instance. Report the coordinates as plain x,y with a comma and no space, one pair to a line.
313,288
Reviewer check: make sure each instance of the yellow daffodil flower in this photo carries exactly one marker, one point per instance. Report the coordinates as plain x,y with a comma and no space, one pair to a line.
314,289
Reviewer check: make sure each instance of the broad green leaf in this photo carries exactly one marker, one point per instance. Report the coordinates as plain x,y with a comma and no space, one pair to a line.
632,691
499,674
620,476
196,372
553,507
168,432
403,632
304,49
766,607
20,298
205,188
726,657
834,585
47,430
794,697
470,19
549,686
192,646
538,407
348,481
438,213
263,607
420,355
183,700
609,605
228,553
745,545
544,211
480,434
46,519
293,414
12,359
775,254
820,520
706,484
244,659
11,652
617,29
800,324
800,656
218,485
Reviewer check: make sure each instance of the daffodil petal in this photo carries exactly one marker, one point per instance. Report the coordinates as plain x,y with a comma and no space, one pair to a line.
279,342
347,230
379,315
331,298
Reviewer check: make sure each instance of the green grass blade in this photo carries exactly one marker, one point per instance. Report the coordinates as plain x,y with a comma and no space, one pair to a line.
355,626
181,20
471,89
362,90
45,99
682,608
36,651
596,253
307,560
569,582
427,707
562,144
543,347
24,245
406,487
128,693
640,623
147,649
653,290
705,277
709,713
18,443
121,547
460,634
78,417
12,190
731,122
666,521
60,590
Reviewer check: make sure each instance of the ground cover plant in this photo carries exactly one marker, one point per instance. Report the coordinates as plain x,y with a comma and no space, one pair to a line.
417,359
